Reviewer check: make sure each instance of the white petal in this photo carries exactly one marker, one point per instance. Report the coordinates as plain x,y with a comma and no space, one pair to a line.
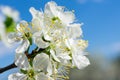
18,27
13,37
42,76
47,37
49,68
75,31
22,27
80,61
67,17
37,21
23,47
54,56
41,62
17,76
39,41
33,11
36,13
64,56
21,61
81,44
36,25
50,9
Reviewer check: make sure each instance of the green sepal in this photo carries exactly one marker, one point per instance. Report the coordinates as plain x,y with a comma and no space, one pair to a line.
23,71
30,40
30,79
31,62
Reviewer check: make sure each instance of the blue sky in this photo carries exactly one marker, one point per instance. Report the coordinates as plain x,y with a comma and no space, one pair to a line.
101,20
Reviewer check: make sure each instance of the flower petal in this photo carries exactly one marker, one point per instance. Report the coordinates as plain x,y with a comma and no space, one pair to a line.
36,25
17,76
50,9
21,61
49,68
64,56
42,76
22,27
80,61
81,44
37,37
41,62
67,17
14,37
54,56
75,31
36,13
23,47
37,21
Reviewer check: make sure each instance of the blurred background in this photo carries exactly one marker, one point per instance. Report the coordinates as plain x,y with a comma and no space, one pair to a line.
101,28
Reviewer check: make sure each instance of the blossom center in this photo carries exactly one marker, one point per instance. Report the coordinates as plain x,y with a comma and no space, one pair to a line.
55,19
31,73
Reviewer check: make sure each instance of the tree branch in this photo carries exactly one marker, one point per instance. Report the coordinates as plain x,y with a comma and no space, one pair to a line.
11,66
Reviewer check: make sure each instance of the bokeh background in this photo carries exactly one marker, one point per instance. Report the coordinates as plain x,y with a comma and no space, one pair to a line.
101,28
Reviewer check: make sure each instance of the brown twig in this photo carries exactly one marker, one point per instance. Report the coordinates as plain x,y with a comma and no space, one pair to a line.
11,66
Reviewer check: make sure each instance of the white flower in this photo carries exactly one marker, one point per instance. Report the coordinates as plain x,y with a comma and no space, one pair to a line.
21,35
8,11
78,55
37,72
52,21
58,13
56,20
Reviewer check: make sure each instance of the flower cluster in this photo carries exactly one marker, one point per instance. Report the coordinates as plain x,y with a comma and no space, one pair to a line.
58,41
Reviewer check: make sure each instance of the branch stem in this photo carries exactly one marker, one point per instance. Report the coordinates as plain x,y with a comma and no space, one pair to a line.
11,66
